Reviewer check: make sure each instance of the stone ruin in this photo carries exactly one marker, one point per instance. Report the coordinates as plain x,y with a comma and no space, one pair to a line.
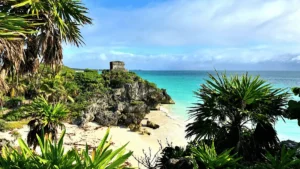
117,65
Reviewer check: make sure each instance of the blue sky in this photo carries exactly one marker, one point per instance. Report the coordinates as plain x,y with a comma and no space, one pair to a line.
190,35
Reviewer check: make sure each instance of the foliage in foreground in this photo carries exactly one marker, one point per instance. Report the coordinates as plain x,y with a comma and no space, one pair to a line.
194,156
285,159
203,155
53,155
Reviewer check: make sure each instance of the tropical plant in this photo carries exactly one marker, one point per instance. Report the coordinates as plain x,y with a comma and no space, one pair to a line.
54,91
14,102
2,125
47,117
102,157
294,106
207,156
169,153
53,155
14,25
17,114
286,159
239,112
53,22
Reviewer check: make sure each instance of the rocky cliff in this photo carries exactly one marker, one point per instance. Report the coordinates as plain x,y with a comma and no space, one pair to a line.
127,101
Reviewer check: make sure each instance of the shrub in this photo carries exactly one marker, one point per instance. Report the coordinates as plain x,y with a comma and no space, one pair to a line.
136,102
207,156
15,125
286,159
14,102
17,114
90,81
2,125
150,84
169,153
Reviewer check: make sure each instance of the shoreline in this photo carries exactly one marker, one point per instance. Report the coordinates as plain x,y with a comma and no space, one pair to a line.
171,130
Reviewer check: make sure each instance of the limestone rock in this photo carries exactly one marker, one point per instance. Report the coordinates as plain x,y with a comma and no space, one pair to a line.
152,125
125,105
134,127
145,131
180,163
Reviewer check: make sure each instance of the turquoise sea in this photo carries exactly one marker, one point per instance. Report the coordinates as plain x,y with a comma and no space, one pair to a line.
181,84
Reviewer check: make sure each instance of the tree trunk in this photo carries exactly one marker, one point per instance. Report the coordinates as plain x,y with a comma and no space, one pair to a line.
3,85
3,73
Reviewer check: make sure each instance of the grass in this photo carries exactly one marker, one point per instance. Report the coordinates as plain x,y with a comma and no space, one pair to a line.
15,124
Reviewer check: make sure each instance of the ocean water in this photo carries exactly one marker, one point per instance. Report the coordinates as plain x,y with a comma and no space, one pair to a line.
180,86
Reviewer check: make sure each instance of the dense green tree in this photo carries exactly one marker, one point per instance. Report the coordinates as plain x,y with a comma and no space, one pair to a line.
293,111
239,112
47,117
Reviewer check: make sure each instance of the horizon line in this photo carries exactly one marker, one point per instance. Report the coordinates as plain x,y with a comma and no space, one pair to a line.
192,70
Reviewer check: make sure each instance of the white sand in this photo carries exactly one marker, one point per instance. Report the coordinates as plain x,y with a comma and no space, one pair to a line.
170,129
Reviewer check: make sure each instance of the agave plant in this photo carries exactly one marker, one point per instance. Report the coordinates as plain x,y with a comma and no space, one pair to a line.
53,155
286,159
48,117
12,158
207,156
103,157
226,107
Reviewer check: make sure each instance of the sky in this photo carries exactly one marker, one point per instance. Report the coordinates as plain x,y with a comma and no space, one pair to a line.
190,35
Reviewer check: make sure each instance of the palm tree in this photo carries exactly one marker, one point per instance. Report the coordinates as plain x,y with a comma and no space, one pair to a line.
47,117
53,22
54,90
239,112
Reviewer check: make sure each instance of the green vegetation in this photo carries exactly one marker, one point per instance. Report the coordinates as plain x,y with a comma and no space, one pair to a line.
14,102
136,102
2,125
294,106
48,117
233,127
228,104
34,31
208,157
17,114
284,160
116,79
31,38
53,155
15,124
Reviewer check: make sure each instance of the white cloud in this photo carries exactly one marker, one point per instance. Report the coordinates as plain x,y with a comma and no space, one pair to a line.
194,22
209,32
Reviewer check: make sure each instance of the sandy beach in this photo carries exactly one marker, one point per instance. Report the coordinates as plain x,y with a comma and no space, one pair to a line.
171,129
